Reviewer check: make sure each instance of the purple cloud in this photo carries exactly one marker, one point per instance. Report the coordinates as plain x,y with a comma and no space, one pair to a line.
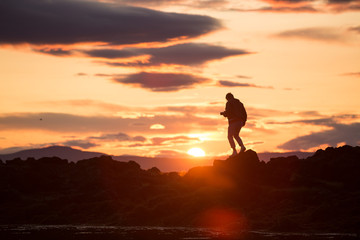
180,54
348,133
161,82
54,51
70,21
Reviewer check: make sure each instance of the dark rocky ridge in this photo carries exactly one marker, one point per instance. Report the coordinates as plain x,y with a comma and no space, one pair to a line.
320,193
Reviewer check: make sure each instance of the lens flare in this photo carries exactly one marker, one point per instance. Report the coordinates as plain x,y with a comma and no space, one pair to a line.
223,219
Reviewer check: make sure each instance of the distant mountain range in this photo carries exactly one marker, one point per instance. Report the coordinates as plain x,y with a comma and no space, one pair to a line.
165,164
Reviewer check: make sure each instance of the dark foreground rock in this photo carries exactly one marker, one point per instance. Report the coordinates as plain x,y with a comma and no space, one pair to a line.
320,193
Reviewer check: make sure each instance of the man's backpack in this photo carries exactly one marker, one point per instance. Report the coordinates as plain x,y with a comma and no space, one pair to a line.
240,111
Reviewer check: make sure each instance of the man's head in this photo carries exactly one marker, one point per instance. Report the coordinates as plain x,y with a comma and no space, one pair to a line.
229,96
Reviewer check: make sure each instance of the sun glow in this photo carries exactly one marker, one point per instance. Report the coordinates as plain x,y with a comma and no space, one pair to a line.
196,152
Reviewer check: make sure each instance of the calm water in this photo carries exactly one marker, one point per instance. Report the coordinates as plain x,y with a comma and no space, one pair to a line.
69,232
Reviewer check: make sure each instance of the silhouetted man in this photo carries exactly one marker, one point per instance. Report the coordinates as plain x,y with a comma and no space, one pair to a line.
237,116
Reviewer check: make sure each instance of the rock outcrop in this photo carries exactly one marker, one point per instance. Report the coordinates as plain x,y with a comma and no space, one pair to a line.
319,193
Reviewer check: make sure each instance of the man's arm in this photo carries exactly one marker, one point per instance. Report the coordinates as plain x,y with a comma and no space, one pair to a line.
226,112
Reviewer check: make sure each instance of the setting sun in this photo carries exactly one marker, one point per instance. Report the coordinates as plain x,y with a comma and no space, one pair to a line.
196,152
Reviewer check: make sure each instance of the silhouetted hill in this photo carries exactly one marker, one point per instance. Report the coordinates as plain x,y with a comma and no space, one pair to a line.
63,152
319,193
165,164
168,164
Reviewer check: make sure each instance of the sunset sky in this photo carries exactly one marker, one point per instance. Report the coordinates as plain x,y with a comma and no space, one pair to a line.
149,77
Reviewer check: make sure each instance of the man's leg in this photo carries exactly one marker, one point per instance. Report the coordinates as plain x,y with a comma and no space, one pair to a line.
231,132
239,125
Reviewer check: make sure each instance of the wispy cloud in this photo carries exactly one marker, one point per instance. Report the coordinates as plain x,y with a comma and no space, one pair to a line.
306,6
287,6
224,83
356,74
326,34
320,120
70,123
286,2
118,137
242,76
279,9
355,29
95,141
111,108
186,3
84,144
167,141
